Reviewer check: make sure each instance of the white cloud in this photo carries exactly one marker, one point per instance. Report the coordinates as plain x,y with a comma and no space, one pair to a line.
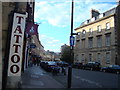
55,40
55,14
58,13
82,9
50,43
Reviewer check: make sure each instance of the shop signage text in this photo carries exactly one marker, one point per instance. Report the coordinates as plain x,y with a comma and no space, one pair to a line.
16,45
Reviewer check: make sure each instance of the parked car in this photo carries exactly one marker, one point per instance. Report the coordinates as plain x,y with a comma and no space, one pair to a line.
51,65
63,63
77,65
55,70
92,66
43,64
111,69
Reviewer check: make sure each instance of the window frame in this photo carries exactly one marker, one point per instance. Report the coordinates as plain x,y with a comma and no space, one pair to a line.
82,57
78,37
99,57
108,60
83,33
83,43
108,41
108,27
90,43
90,57
99,41
99,28
90,31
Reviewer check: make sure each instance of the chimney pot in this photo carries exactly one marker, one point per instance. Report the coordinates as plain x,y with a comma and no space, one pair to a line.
94,13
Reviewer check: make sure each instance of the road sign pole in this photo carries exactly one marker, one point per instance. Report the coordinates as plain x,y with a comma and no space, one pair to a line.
71,51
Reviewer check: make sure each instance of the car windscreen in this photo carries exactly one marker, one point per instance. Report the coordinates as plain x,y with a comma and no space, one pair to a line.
52,63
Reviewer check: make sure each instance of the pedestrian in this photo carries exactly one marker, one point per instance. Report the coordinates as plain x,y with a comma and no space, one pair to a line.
38,62
54,71
30,63
63,70
34,61
60,70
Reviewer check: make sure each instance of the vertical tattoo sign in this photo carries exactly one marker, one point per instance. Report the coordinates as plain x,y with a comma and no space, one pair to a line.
16,45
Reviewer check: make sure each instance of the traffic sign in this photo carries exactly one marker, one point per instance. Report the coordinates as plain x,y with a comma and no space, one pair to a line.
72,40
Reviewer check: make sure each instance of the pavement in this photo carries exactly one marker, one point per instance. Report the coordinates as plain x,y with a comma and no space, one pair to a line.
36,77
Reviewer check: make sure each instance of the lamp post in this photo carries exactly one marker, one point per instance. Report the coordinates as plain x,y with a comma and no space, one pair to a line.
71,50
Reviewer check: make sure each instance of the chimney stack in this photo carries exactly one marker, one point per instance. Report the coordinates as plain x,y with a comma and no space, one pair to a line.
94,13
118,2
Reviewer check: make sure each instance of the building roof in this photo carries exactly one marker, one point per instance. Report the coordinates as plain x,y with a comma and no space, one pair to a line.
97,18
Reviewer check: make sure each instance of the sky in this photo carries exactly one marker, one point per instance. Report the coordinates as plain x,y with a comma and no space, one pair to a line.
54,19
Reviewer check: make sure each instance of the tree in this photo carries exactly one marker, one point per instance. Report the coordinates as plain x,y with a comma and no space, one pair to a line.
65,53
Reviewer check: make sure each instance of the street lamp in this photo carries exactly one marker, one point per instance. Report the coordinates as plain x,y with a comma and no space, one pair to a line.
72,38
71,50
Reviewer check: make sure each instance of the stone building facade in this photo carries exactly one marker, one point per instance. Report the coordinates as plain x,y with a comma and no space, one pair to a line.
49,55
0,45
97,39
39,49
8,10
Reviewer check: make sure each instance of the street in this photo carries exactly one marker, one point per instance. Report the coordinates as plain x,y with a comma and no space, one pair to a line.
94,79
90,79
44,42
36,77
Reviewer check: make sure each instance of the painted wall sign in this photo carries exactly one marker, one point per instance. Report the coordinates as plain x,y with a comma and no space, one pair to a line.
16,45
32,29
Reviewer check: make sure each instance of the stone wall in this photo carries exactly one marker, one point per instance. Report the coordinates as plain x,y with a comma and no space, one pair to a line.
118,31
80,50
0,45
7,8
